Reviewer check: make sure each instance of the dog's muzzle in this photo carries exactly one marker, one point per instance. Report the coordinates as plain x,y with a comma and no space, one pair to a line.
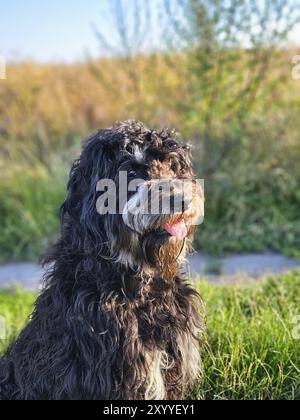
164,207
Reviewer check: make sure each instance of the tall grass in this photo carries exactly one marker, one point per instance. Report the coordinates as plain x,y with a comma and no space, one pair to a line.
250,353
30,198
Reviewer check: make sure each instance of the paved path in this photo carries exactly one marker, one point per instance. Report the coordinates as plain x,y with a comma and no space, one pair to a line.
227,269
27,275
237,267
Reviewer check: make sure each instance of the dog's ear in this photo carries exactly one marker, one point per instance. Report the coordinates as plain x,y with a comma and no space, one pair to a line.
98,161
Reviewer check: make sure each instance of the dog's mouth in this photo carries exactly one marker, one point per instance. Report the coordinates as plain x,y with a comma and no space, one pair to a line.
177,228
163,245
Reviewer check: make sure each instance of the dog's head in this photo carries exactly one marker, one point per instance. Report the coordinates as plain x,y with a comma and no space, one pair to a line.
135,198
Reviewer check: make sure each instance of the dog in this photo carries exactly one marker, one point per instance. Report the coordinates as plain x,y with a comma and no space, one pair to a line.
115,319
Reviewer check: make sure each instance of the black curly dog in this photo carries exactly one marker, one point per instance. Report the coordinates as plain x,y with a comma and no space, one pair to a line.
115,321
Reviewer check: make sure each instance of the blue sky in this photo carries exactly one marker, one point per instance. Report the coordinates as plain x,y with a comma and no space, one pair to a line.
50,30
59,30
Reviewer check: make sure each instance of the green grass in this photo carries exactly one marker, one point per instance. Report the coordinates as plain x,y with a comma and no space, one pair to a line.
30,198
15,308
251,353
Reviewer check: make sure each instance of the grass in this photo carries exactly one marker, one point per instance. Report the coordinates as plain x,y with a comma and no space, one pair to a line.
30,198
251,352
15,308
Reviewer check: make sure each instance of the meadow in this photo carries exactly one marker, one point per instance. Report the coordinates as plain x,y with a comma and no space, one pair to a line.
252,349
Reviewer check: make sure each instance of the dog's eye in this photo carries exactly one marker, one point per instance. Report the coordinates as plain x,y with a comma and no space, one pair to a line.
132,173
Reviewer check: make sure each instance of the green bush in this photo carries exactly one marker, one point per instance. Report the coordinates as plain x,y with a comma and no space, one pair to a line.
252,195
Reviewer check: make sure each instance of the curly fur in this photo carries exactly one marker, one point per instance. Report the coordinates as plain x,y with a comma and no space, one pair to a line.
113,321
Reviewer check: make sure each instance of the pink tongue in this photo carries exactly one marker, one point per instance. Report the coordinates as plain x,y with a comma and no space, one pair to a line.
178,229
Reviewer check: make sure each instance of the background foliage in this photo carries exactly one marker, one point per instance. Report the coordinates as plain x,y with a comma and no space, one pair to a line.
221,76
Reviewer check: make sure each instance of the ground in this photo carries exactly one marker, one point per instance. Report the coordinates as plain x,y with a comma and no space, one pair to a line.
253,347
